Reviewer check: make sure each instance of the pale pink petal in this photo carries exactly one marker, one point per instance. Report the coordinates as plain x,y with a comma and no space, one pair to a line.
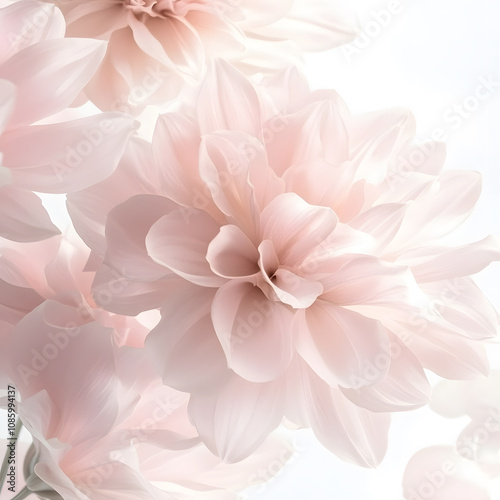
223,91
441,263
308,181
18,298
94,18
254,332
225,170
261,13
366,280
231,254
184,344
340,345
121,295
354,434
464,308
311,131
46,83
236,420
26,23
295,227
234,167
180,241
89,208
439,473
69,156
180,43
127,231
288,287
18,267
405,387
456,398
449,355
78,400
315,24
295,290
435,213
375,139
220,38
480,440
176,142
23,217
382,222
8,94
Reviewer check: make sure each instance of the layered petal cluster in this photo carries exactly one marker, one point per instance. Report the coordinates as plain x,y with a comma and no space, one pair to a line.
155,47
41,73
298,267
103,423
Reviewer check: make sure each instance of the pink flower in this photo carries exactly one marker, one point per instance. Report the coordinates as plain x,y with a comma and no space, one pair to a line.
293,278
36,82
155,47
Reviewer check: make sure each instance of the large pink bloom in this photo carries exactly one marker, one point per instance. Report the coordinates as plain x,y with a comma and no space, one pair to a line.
293,278
36,81
157,46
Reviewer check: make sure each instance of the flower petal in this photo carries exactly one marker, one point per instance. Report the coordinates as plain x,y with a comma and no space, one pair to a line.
126,234
441,263
340,345
45,81
315,24
23,217
27,23
354,434
8,94
69,156
295,227
224,90
180,242
184,344
405,387
449,475
89,208
231,254
437,212
237,419
253,331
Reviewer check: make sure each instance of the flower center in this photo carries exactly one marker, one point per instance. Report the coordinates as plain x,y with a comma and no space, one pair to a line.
153,8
